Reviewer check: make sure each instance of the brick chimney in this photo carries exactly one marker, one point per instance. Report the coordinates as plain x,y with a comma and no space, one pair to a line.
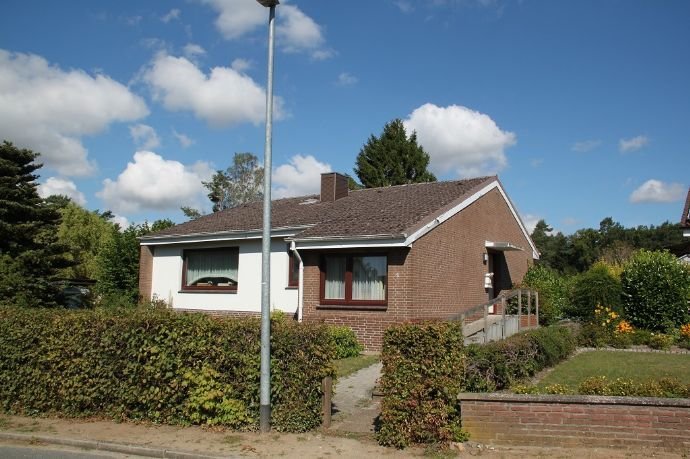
333,186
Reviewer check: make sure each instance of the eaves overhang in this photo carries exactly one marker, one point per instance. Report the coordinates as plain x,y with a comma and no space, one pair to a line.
218,236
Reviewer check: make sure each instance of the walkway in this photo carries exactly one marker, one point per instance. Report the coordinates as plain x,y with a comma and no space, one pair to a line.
355,411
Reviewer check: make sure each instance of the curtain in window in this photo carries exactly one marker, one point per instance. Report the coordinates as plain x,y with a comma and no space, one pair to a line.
369,278
335,278
211,264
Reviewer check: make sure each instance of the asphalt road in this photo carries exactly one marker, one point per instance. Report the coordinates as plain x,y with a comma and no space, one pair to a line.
37,452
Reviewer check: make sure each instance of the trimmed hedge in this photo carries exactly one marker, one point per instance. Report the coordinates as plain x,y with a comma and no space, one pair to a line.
426,366
500,364
422,373
160,366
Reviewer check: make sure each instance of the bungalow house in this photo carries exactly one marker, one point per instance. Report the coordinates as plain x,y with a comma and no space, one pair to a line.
366,258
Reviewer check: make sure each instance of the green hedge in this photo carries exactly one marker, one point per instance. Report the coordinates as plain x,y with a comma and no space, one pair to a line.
345,340
426,366
160,366
422,373
500,364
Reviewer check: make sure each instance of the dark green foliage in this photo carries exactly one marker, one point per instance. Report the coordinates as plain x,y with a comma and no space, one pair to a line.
345,340
593,335
392,159
596,287
554,292
498,365
656,290
159,366
30,255
611,242
422,376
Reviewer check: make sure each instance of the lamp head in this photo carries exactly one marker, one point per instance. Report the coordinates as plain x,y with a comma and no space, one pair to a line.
268,3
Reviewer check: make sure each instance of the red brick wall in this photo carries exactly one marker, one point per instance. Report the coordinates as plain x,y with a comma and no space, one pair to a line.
447,263
440,275
145,272
551,420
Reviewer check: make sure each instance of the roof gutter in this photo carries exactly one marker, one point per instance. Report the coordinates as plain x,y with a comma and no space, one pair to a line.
217,236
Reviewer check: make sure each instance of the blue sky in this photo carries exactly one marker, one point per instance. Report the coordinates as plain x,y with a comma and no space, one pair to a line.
581,107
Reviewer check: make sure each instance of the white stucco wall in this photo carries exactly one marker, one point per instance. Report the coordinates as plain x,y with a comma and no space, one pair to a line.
167,278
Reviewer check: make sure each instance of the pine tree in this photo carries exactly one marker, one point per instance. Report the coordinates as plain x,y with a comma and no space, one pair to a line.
30,255
393,159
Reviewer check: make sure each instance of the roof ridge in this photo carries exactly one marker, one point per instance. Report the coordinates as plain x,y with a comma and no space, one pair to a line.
483,178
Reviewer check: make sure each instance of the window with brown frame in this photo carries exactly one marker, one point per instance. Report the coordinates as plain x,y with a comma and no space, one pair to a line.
210,269
354,280
293,270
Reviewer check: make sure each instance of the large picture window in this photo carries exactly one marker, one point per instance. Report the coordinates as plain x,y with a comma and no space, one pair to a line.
354,280
210,269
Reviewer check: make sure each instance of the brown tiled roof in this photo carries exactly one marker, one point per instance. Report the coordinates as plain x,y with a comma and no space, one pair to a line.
390,211
685,218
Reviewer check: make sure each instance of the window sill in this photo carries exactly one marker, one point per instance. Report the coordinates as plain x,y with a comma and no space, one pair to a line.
231,292
354,307
291,287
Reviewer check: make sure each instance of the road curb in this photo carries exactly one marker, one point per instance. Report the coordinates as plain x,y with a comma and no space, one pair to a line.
123,448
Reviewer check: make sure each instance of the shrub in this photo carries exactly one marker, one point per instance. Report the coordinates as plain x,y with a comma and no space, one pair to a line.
500,364
160,366
656,289
598,286
660,341
345,341
665,387
553,292
423,366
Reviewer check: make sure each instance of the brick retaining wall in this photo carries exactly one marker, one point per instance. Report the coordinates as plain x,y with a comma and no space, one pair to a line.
576,420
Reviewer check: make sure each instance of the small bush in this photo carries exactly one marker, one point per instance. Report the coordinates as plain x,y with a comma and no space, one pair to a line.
656,289
554,292
598,286
641,337
660,341
345,341
423,367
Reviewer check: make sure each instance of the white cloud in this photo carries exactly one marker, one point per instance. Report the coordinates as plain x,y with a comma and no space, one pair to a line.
345,79
170,15
296,32
192,50
154,183
240,65
405,6
460,139
144,136
627,145
301,176
59,186
185,140
585,146
658,191
530,221
121,221
49,110
224,97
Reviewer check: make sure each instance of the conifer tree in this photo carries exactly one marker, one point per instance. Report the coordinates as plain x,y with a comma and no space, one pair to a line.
392,159
30,255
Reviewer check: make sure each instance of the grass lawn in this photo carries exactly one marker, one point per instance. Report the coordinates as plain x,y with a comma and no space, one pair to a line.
638,366
345,367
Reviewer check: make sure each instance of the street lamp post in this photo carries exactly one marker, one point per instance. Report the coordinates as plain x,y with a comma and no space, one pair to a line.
265,387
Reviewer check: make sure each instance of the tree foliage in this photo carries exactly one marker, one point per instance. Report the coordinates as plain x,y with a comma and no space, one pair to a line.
612,242
393,158
30,255
118,262
240,183
85,233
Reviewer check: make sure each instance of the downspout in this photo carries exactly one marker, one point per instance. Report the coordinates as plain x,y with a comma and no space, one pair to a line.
300,282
